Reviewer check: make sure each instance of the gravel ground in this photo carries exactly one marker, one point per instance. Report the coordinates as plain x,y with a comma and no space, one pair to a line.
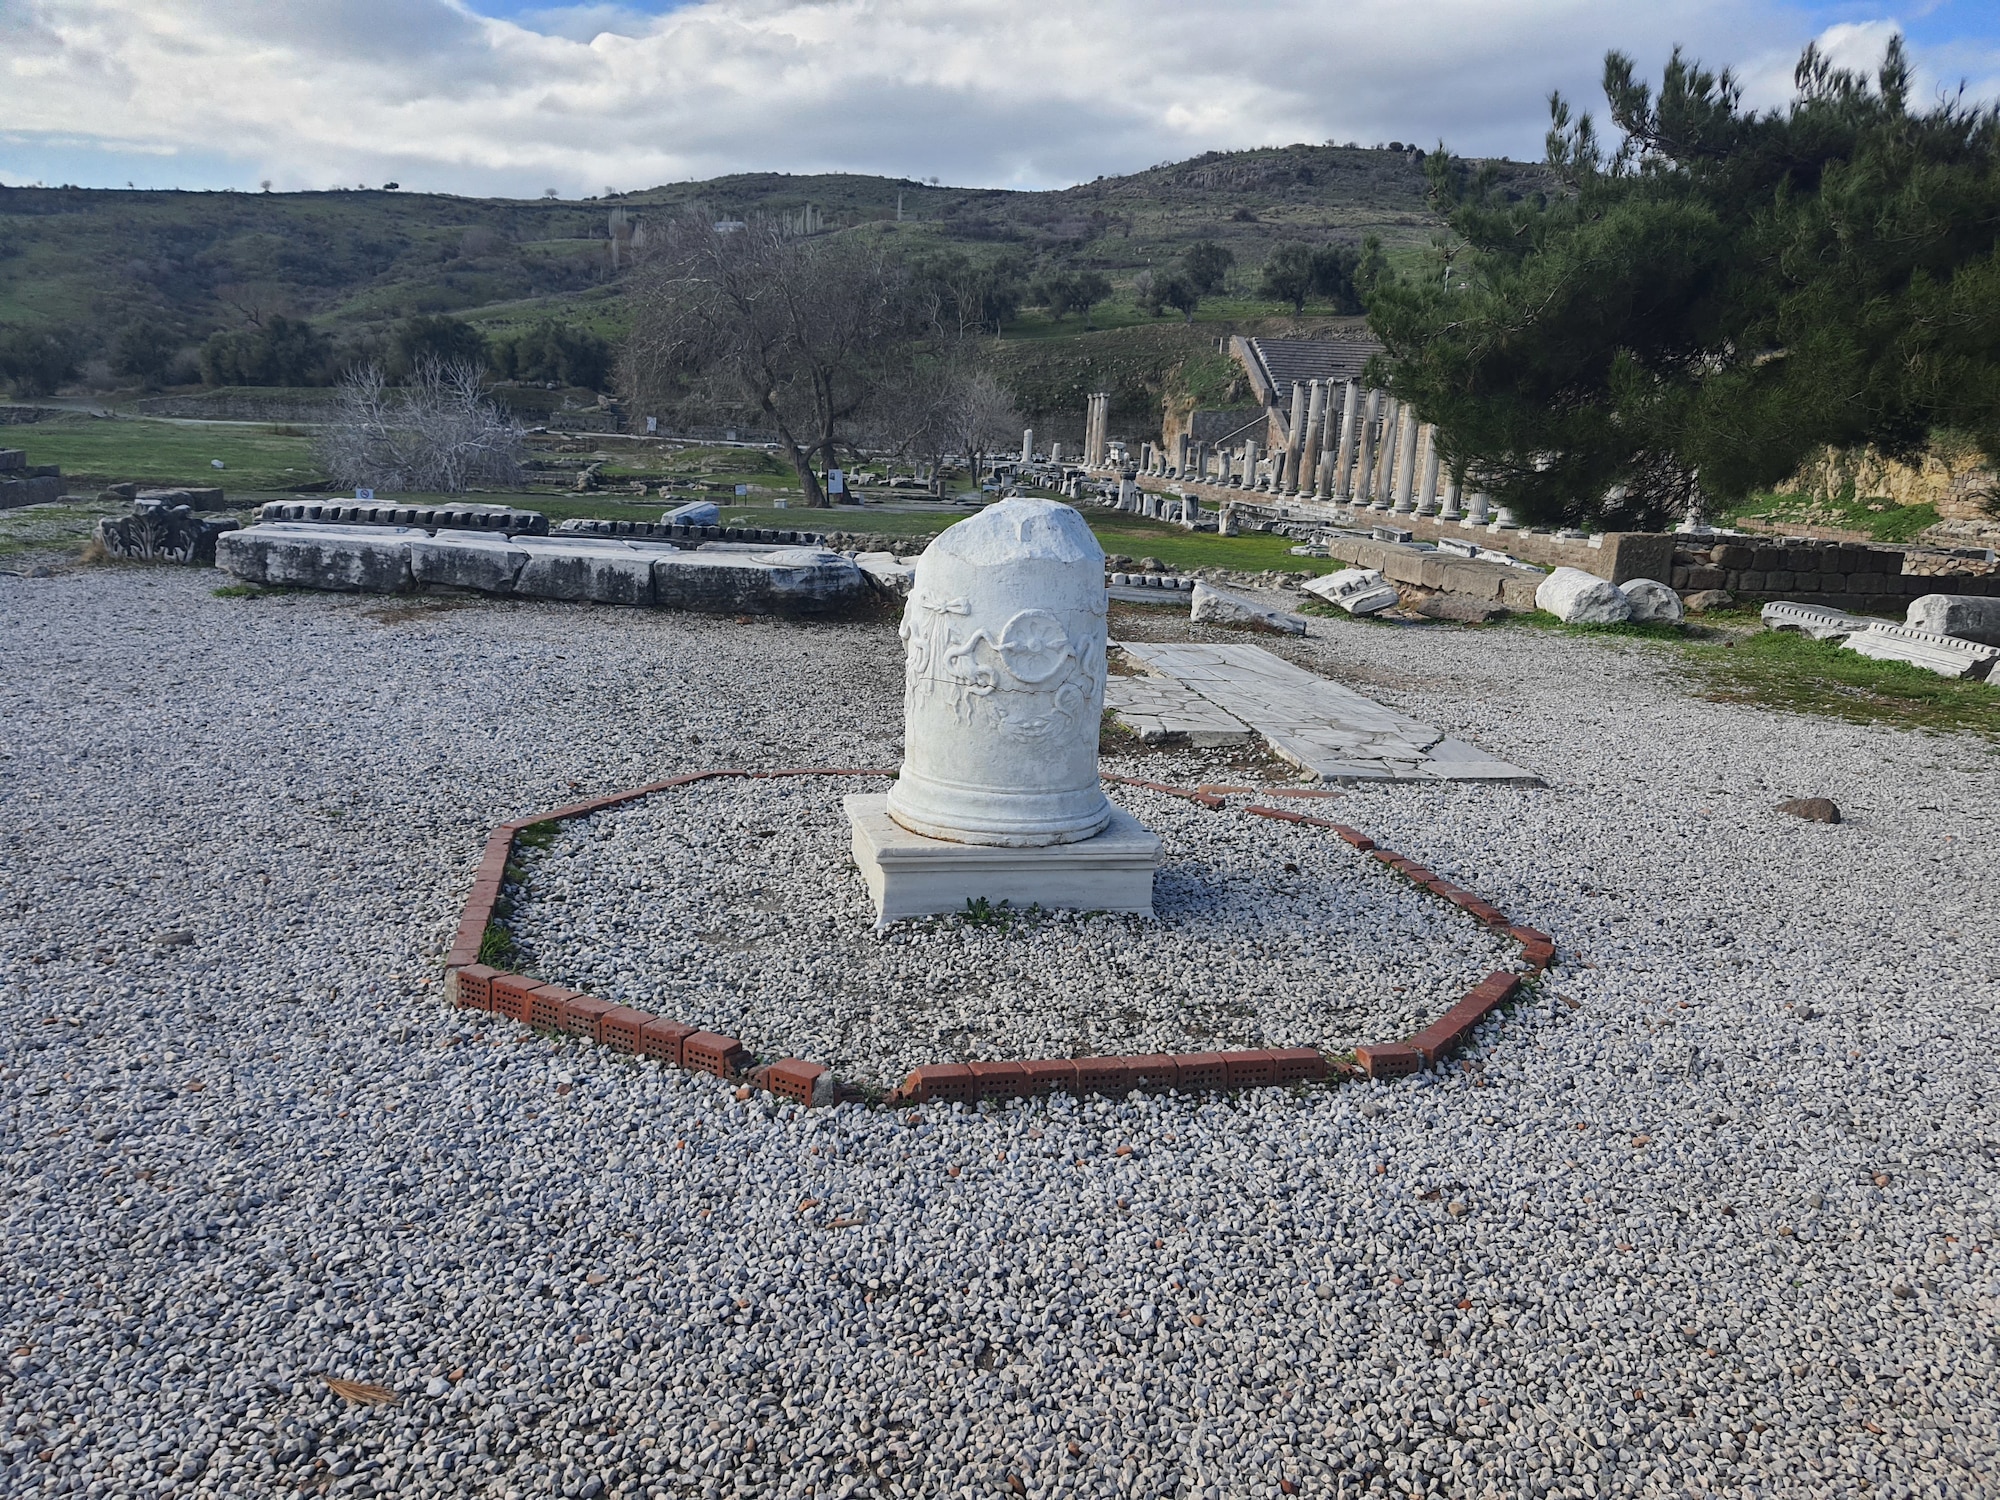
1713,1211
735,906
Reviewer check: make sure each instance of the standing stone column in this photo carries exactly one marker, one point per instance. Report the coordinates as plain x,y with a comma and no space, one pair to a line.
1343,460
1364,470
1477,510
1450,511
1505,520
1427,484
1249,464
1180,455
1306,480
1295,436
1027,445
1190,511
1385,454
1406,462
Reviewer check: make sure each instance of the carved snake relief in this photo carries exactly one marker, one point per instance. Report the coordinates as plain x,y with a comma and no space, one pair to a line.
1033,653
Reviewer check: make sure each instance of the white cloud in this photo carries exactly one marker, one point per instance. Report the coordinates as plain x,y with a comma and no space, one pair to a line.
998,92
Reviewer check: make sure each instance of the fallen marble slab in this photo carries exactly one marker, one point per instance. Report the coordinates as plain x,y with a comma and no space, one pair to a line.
1946,655
1215,607
580,569
1969,617
344,559
469,515
887,573
1359,591
1815,620
1327,730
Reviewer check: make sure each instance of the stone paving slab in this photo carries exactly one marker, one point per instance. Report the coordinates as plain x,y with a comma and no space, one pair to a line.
1156,708
1319,726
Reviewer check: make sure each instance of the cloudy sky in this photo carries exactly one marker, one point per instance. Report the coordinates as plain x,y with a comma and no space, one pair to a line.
513,96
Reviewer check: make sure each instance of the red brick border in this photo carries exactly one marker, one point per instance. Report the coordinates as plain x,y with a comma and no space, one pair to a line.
472,985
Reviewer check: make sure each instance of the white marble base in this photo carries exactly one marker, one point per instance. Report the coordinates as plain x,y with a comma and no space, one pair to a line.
909,875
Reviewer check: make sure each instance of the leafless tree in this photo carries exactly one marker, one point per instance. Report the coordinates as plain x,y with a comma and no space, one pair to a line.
437,434
802,337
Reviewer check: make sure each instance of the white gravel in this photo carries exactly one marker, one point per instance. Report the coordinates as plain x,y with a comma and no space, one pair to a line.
735,906
1670,1233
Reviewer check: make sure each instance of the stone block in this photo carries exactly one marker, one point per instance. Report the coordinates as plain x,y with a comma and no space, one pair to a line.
1519,593
1579,598
357,559
786,580
1815,620
1750,581
1732,557
464,560
1969,617
1635,554
1705,578
1946,655
694,513
1778,581
1652,601
908,875
12,459
1215,607
576,570
1458,607
1359,591
157,533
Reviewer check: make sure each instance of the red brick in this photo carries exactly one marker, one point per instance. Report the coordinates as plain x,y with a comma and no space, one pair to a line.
1105,1075
942,1083
1538,955
475,987
1157,1072
1388,1062
619,1027
1201,1072
1522,934
708,1052
791,1078
583,1015
1297,1065
548,1006
663,1039
510,995
1280,814
461,955
1251,1069
1049,1075
1355,837
998,1080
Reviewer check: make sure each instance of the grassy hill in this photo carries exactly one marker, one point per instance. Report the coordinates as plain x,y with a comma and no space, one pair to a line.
95,259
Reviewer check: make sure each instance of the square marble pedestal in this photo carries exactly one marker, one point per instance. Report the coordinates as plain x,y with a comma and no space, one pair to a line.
912,876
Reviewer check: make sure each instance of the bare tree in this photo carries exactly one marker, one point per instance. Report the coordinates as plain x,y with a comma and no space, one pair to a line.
438,434
801,336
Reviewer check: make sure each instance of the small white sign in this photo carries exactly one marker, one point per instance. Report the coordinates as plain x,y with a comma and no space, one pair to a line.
742,489
361,494
652,424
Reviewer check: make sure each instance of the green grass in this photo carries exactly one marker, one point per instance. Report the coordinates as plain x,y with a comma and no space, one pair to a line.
1791,672
95,451
1873,516
52,531
1135,536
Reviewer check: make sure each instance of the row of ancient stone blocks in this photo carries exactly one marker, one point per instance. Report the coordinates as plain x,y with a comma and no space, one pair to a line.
1798,556
677,531
505,518
1904,586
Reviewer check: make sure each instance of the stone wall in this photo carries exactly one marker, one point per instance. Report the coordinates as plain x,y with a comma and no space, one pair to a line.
1839,575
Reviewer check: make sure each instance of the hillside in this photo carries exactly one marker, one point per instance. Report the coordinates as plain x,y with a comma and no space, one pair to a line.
94,261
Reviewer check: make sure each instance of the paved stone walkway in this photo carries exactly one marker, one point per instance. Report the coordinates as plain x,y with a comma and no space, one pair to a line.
1218,694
